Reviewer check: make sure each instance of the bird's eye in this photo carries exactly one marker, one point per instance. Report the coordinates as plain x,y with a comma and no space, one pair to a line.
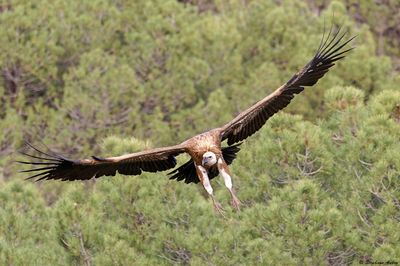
209,157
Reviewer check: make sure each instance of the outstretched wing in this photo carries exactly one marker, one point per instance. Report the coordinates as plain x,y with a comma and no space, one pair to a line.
54,166
248,122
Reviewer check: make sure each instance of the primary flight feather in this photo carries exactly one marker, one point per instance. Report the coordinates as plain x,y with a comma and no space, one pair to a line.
208,158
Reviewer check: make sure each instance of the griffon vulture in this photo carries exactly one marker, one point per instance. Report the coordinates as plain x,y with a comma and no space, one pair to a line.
208,157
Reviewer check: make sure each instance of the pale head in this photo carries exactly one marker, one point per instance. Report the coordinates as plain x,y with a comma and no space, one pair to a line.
209,159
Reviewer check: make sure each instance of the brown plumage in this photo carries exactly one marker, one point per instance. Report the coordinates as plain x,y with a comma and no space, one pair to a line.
208,158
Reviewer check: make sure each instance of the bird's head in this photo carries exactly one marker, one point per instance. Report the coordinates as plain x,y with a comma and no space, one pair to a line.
209,159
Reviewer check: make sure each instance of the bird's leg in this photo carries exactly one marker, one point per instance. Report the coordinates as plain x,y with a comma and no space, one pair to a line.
202,173
224,172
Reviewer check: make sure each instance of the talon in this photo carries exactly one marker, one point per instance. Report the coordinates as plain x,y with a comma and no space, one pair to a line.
218,208
235,202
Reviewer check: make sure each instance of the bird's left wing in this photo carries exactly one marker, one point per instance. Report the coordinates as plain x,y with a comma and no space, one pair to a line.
248,122
50,165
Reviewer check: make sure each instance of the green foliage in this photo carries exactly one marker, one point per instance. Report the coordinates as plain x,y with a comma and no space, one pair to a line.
319,186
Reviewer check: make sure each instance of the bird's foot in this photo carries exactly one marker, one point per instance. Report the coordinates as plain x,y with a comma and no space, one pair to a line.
235,202
218,208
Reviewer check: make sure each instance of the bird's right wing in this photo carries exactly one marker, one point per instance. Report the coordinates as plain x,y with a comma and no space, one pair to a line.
54,166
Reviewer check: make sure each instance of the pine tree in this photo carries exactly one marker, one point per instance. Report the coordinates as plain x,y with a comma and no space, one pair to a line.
319,181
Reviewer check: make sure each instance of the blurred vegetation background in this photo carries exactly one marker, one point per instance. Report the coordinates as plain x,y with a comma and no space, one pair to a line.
320,182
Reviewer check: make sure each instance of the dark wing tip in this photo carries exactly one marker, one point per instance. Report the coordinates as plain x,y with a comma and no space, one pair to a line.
331,49
48,164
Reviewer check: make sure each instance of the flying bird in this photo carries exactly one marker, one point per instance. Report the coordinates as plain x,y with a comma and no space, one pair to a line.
208,158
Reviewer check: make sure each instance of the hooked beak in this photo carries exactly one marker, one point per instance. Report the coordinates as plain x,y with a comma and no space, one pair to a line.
205,161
